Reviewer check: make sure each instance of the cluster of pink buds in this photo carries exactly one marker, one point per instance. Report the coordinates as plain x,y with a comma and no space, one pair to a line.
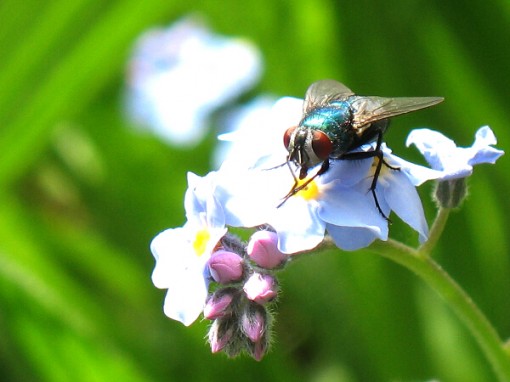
246,285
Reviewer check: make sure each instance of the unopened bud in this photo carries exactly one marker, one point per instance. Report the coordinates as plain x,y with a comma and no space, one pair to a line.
263,250
226,266
219,304
258,350
253,322
260,288
451,193
220,334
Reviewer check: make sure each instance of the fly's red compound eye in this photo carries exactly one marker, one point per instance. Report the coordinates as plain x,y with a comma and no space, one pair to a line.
321,145
288,135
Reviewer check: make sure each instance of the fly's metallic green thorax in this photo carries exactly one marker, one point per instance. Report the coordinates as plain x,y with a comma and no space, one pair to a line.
329,118
335,120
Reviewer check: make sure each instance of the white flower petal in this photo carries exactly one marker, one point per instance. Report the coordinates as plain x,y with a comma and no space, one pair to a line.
351,238
403,199
417,174
432,144
346,172
349,208
250,197
250,134
297,225
259,143
484,137
200,202
186,297
482,150
166,248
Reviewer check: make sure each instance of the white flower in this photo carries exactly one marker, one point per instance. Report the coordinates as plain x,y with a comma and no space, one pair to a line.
252,185
179,75
455,162
182,253
246,118
337,201
256,141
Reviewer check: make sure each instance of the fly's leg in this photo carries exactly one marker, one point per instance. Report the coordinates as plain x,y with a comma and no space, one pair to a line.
295,188
380,161
373,186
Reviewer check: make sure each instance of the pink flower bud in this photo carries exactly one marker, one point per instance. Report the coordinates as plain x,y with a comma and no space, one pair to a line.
258,350
219,335
260,288
226,266
263,250
253,323
218,305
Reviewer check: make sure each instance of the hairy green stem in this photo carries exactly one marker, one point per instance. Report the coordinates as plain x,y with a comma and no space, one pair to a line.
436,231
428,270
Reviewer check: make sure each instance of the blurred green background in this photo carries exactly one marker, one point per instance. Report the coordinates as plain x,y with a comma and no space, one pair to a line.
81,195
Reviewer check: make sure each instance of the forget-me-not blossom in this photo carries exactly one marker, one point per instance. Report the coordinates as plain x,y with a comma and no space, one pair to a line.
253,187
177,76
455,162
182,254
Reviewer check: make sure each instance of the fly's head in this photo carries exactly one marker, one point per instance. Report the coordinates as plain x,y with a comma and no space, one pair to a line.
307,147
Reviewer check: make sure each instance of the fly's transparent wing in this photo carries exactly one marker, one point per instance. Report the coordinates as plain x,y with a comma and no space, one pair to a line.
370,109
322,92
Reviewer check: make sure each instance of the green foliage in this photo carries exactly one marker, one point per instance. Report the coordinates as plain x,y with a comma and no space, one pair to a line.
82,195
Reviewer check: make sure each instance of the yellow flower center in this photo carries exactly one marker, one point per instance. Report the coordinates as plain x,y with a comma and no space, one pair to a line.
375,163
310,191
201,239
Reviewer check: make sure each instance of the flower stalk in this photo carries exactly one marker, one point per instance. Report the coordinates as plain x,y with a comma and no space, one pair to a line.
420,263
435,232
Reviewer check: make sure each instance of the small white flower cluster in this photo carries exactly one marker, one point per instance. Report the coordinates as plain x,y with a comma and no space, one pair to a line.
189,258
247,191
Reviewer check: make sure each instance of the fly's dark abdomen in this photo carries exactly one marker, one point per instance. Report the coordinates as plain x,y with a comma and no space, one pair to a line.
370,134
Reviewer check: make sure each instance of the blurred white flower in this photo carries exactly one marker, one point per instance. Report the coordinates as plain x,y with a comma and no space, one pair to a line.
250,117
256,133
178,75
